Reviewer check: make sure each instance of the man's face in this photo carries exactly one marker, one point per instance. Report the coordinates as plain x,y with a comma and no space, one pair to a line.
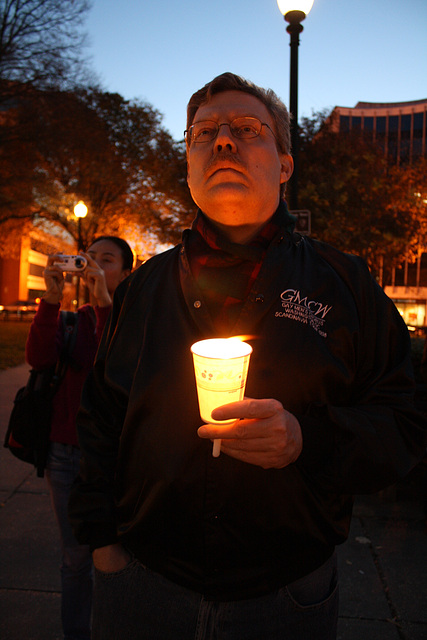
235,181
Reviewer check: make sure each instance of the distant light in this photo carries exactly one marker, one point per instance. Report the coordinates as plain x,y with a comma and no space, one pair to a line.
80,210
286,6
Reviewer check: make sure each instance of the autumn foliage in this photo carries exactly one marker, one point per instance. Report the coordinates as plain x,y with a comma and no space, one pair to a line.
359,201
97,147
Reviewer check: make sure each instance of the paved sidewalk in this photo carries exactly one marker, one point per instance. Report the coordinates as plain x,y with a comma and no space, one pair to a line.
383,565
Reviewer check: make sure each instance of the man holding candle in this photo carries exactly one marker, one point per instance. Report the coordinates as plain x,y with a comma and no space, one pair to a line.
240,546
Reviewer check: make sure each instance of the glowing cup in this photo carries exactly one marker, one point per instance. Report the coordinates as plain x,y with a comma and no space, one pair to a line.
221,368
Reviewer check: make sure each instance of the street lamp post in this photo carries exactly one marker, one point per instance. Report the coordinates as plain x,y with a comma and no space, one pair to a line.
80,211
294,12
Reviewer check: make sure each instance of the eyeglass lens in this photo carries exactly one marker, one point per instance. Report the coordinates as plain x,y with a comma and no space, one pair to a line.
243,127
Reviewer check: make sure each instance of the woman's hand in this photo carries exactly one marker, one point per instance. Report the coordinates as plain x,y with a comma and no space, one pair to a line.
94,279
54,280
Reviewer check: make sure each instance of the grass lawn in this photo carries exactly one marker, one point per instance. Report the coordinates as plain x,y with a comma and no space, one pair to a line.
13,336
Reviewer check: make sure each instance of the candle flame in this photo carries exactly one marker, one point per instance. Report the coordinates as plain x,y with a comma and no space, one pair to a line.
244,338
222,348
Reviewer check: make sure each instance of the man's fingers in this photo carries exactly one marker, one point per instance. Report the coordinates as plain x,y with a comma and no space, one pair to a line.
245,429
214,431
249,408
243,411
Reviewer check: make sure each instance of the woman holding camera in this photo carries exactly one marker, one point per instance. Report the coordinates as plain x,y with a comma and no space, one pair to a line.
109,261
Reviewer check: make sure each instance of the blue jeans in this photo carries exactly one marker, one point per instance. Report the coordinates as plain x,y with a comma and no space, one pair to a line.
138,604
76,566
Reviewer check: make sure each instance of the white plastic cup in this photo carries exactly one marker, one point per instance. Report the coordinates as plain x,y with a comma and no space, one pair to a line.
221,368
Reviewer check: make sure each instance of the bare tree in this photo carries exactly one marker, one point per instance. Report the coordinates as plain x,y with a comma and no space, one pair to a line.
41,42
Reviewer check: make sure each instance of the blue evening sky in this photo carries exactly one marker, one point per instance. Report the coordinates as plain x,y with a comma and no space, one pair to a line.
161,51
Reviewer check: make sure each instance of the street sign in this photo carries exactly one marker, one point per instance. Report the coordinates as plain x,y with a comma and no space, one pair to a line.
303,223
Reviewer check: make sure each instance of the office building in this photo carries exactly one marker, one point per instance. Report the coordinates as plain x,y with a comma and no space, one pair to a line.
400,128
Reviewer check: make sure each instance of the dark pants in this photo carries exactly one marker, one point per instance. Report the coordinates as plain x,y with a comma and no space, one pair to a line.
76,565
137,604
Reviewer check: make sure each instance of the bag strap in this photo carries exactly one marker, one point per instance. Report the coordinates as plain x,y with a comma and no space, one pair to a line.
69,320
92,315
69,324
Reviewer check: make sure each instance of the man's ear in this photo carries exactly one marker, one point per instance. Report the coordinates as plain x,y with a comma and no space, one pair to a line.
286,167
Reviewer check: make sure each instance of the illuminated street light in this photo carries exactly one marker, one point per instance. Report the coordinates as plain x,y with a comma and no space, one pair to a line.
294,12
80,211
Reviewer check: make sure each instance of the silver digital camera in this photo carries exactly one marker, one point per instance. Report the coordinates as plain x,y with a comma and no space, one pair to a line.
71,263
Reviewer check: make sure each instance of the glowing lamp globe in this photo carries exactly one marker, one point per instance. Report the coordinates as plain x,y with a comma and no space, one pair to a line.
80,210
286,6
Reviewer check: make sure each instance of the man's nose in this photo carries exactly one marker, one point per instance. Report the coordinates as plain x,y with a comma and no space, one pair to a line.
225,139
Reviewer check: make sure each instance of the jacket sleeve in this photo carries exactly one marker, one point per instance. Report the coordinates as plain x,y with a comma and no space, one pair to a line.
99,424
377,438
43,343
102,314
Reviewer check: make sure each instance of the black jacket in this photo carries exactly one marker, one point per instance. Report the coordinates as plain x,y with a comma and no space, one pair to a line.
327,343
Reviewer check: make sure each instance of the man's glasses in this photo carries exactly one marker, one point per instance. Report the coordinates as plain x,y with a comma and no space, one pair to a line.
243,128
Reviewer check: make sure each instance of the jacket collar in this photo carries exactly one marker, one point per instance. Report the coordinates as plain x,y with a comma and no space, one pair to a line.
282,222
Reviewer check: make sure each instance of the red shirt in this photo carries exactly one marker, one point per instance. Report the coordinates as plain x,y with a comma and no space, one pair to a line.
42,350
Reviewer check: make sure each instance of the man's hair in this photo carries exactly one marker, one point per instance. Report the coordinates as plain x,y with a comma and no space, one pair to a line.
231,82
125,249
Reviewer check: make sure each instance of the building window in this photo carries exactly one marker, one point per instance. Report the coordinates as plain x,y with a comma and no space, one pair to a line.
344,123
356,122
368,128
393,134
412,311
405,136
36,270
381,124
368,123
417,141
380,131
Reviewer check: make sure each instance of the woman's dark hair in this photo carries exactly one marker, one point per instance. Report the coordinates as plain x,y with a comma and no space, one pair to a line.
127,254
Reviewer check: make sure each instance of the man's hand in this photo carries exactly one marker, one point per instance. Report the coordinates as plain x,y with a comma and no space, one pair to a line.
111,558
264,434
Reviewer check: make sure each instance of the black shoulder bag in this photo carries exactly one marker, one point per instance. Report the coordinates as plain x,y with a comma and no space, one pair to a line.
28,432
